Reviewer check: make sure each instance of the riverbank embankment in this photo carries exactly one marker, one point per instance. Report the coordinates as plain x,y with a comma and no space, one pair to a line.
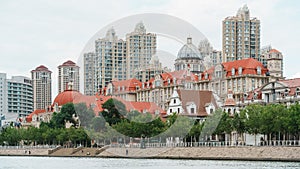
264,153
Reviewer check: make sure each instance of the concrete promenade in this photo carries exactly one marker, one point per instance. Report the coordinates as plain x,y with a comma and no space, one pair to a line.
210,153
264,153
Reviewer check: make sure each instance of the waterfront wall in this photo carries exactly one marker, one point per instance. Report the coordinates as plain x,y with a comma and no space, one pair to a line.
24,152
264,153
220,153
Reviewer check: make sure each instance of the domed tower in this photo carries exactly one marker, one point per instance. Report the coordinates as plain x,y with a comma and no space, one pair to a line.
190,58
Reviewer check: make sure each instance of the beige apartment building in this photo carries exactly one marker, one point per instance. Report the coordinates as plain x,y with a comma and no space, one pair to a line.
241,36
42,88
68,72
141,46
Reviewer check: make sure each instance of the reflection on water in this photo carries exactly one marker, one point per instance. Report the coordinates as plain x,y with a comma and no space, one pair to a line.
111,163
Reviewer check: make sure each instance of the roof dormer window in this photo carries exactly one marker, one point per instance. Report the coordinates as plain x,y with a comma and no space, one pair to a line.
232,71
258,70
297,92
206,76
240,70
157,83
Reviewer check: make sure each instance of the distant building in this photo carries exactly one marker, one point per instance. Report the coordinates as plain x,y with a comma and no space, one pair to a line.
239,76
19,95
117,59
3,93
68,72
141,46
205,48
280,91
275,64
125,89
190,58
241,36
89,74
42,87
154,67
193,103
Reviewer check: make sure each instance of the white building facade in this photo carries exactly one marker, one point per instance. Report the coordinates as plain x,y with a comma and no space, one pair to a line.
20,95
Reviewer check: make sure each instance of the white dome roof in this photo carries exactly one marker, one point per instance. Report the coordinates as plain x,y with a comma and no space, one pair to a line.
189,50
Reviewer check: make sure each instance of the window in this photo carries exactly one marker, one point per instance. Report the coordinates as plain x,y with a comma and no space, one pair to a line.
259,70
240,70
170,110
174,101
232,71
178,110
297,92
206,75
192,110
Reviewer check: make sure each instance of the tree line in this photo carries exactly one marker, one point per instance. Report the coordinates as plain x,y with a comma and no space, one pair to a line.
275,121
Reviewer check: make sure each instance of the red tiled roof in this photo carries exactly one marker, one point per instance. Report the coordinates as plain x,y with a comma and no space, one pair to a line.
291,82
100,100
229,102
199,98
144,106
41,68
209,72
249,66
68,96
130,84
68,63
274,51
37,111
169,76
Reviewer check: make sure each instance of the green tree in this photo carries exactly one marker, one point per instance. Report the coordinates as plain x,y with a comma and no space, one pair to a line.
114,111
85,115
253,123
98,124
211,124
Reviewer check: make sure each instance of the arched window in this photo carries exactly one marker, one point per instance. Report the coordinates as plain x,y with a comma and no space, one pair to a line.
297,92
232,71
258,70
240,70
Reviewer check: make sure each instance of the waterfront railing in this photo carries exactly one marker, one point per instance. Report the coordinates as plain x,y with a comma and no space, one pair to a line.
30,147
207,144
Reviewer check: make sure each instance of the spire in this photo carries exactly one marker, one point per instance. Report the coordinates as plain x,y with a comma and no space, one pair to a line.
244,12
140,28
189,40
111,34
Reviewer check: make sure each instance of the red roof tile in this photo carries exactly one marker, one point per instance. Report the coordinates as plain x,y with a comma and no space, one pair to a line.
199,98
68,96
41,68
274,51
37,111
249,66
68,63
291,82
130,84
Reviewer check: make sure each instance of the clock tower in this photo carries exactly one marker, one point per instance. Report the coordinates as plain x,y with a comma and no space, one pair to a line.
275,64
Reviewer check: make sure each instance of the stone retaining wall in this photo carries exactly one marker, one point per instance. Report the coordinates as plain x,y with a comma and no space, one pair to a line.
220,153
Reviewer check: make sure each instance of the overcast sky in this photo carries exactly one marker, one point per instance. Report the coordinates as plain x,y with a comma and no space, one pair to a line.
49,32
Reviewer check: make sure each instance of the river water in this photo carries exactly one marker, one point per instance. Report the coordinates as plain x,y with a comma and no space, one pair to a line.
113,163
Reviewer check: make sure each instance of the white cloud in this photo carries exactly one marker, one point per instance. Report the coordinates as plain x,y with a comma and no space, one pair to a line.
50,32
